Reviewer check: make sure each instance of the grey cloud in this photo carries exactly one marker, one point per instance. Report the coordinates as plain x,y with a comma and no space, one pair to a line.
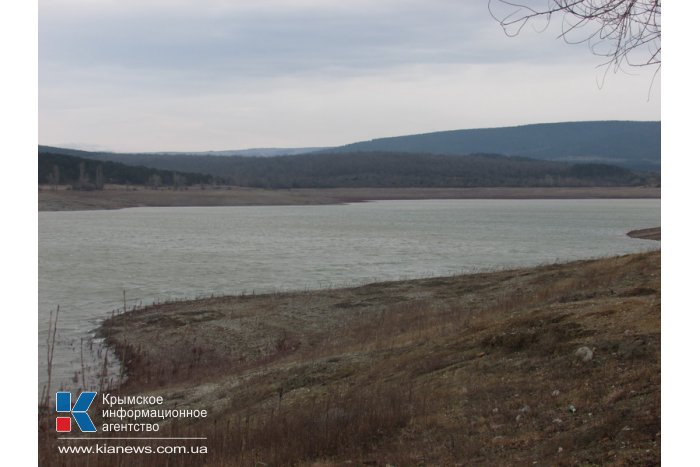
201,74
254,43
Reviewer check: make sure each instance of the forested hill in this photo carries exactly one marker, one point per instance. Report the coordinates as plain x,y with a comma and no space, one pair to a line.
85,173
635,145
387,169
631,144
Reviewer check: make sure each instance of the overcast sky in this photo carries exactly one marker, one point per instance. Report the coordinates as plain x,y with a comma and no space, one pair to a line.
156,75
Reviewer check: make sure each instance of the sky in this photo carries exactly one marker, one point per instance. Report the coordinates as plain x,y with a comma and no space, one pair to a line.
197,75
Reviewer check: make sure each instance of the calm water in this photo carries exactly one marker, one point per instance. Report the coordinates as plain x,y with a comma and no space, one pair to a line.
87,259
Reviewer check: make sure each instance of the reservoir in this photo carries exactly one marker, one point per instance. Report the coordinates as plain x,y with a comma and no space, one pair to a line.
89,261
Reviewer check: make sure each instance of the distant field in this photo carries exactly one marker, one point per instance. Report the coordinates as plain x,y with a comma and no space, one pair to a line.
116,197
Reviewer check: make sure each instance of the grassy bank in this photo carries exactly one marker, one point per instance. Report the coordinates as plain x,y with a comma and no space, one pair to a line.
483,369
116,197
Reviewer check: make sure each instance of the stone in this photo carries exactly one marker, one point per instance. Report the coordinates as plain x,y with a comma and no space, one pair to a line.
585,354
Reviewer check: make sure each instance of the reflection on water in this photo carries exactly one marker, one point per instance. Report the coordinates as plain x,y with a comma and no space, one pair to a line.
88,259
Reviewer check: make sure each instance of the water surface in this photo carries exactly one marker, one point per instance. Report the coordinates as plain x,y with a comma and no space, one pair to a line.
88,258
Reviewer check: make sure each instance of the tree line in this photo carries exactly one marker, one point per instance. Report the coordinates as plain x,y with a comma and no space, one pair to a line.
348,169
392,169
89,174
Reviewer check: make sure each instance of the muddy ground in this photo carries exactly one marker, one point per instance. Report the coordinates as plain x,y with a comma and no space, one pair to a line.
653,233
116,197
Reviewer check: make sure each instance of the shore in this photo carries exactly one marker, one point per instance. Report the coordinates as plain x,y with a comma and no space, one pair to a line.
116,197
557,364
653,233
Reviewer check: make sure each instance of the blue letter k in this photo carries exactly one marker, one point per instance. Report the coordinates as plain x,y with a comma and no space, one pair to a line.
79,410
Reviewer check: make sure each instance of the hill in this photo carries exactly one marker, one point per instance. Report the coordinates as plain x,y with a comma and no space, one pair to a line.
385,169
635,145
251,152
66,169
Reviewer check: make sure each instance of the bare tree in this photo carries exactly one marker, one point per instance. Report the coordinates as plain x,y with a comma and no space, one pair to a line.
83,182
54,178
624,32
99,178
155,181
179,181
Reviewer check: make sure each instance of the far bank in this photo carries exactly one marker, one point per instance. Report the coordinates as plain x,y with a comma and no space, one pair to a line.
117,197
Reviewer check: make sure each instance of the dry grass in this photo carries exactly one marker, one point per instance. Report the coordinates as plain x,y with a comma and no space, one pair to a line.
465,370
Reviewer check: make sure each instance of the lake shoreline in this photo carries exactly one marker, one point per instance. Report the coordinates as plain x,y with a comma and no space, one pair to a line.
653,233
114,197
173,253
502,348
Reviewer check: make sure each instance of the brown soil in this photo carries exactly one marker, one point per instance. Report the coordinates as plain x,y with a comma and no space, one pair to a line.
465,370
646,234
116,197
